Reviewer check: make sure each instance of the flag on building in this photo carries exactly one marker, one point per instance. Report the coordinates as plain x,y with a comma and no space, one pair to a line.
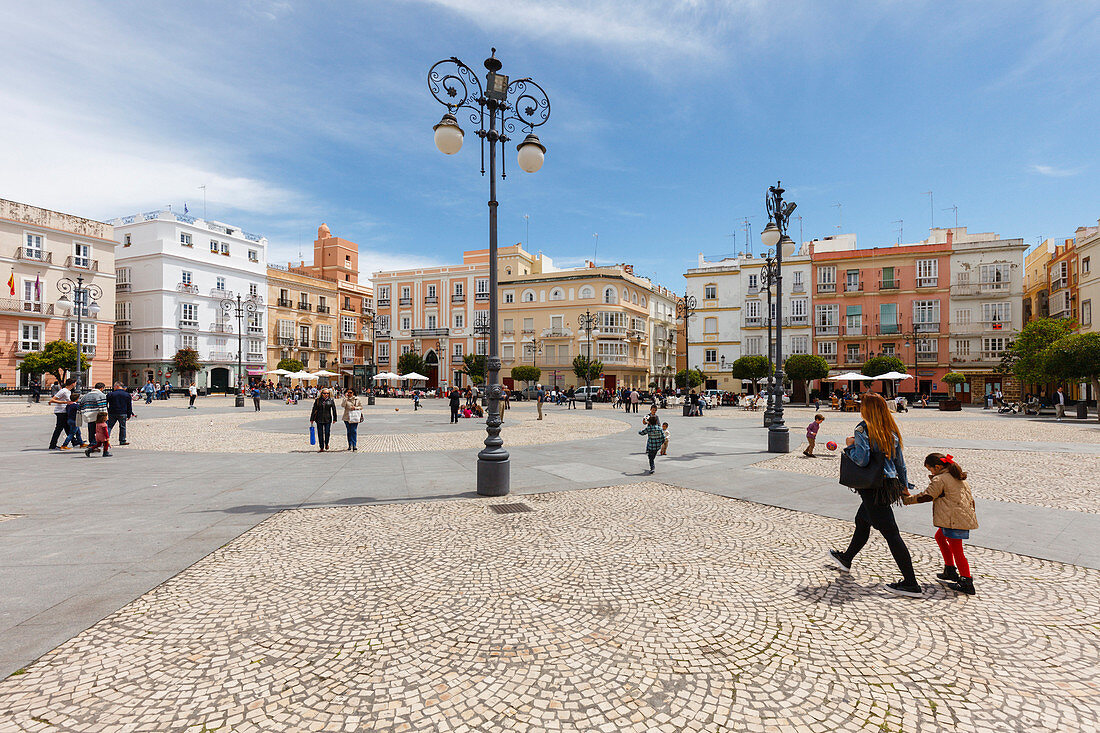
11,282
37,288
185,207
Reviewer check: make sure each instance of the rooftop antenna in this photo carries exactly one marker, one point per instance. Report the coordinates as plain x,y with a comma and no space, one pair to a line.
954,208
801,239
747,227
901,228
527,221
931,208
203,187
840,213
595,247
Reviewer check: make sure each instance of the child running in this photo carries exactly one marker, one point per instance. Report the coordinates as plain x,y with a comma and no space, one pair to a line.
655,438
811,435
953,513
102,437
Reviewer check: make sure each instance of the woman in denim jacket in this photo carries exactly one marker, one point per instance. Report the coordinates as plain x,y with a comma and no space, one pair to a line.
877,432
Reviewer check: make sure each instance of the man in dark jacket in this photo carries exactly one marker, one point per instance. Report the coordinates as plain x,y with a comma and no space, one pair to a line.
120,408
455,399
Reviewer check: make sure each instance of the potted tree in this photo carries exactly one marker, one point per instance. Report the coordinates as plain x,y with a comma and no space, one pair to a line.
805,368
953,403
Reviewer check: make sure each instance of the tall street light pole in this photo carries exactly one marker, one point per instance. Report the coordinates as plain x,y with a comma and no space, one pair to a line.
84,299
587,321
768,275
685,308
775,236
239,308
456,86
368,321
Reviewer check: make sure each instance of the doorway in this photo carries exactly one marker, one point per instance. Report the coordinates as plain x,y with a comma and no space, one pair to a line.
219,379
432,361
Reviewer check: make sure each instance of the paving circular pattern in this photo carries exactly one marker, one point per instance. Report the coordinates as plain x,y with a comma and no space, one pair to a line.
630,608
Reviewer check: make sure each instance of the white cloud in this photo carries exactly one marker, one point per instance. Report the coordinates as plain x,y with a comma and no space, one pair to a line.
1053,172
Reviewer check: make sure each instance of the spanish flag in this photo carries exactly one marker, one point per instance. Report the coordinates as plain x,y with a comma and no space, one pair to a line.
11,282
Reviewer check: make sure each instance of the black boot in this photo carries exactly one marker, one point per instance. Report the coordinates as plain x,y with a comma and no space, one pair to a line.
965,586
948,576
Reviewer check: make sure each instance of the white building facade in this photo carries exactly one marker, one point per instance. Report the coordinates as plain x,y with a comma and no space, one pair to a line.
173,273
662,336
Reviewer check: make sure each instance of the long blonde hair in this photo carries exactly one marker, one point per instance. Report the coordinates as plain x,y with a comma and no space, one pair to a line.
881,428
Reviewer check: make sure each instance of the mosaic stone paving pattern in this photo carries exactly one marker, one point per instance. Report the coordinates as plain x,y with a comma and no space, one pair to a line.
631,608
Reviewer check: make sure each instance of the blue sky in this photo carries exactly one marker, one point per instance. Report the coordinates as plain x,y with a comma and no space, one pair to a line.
668,120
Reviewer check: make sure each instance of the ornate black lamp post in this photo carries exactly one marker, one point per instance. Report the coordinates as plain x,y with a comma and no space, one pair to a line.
83,302
368,321
534,346
775,237
456,86
685,309
768,275
239,308
587,321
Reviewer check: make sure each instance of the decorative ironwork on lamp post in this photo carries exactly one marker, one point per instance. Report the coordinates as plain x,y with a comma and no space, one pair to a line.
240,308
456,86
85,299
587,321
685,308
768,275
775,237
368,321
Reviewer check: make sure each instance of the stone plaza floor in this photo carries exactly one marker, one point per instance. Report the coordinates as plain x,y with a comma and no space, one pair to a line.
628,608
169,590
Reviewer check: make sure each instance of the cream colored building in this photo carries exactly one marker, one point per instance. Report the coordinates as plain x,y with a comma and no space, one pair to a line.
1088,268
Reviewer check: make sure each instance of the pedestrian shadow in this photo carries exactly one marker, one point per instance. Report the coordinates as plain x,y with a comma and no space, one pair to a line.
349,501
845,588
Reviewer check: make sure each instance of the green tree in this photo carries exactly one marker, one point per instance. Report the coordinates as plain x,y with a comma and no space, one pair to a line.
689,378
584,368
752,368
806,368
954,379
290,365
881,364
1075,358
524,373
56,358
475,365
187,360
410,362
1025,356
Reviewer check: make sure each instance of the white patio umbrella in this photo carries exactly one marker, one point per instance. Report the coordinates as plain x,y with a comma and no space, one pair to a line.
280,372
890,375
301,375
851,377
319,373
384,376
413,376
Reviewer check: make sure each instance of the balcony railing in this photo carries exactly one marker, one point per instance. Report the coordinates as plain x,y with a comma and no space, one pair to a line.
219,293
1058,283
255,357
826,287
16,305
926,327
429,332
855,357
457,359
122,323
121,354
82,263
404,301
431,300
304,306
324,309
221,327
383,302
750,290
122,287
255,328
927,282
223,356
33,255
189,325
889,284
855,330
831,358
798,288
481,297
347,359
284,302
557,333
303,343
381,333
853,287
323,345
284,341
187,288
458,298
821,330
798,321
636,335
753,322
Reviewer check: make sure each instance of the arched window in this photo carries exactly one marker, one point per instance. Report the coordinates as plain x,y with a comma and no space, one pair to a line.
626,295
608,296
555,294
710,325
643,305
528,297
633,299
586,292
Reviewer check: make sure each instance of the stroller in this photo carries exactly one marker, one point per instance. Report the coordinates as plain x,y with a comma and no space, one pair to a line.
1009,408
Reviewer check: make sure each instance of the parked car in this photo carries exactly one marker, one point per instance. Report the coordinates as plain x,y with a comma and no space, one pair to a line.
581,392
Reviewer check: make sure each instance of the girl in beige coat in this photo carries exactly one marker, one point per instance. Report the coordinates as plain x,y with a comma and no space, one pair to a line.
953,512
353,415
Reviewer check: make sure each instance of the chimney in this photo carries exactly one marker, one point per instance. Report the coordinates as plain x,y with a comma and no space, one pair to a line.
950,238
626,268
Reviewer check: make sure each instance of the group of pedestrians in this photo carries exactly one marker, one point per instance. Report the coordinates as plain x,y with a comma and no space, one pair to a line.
98,411
323,414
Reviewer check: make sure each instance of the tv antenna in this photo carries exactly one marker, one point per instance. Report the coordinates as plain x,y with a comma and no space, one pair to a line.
840,213
900,230
954,208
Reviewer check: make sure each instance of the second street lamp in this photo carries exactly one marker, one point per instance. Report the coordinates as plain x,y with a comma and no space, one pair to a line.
84,303
239,308
456,86
587,321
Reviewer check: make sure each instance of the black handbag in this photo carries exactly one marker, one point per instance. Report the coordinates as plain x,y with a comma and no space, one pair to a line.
855,476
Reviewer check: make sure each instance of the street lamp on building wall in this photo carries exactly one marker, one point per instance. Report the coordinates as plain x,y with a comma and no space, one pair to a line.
84,300
239,308
587,321
775,236
456,86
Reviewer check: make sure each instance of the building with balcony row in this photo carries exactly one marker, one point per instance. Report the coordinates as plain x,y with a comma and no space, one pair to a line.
173,275
39,247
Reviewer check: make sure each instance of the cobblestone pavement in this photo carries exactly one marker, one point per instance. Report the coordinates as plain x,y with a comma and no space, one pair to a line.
630,608
221,433
1056,480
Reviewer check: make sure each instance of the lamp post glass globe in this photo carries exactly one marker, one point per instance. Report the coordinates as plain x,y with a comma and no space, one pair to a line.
93,309
770,236
531,153
63,304
448,135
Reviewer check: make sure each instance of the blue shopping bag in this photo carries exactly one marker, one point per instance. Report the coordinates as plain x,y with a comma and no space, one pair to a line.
312,434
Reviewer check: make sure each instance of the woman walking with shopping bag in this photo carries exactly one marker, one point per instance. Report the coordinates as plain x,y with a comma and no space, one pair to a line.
353,415
323,415
873,466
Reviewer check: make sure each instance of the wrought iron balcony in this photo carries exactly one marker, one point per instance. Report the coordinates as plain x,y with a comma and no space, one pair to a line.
431,300
830,358
121,354
383,302
798,288
324,309
33,255
189,325
255,328
457,359
926,327
753,322
187,288
827,330
284,302
481,297
323,345
304,306
255,357
458,298
429,332
221,327
826,287
220,293
889,329
122,287
82,263
928,282
855,330
856,287
889,284
284,341
404,301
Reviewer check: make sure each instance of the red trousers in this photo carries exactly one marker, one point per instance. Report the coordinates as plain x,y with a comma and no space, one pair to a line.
952,551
